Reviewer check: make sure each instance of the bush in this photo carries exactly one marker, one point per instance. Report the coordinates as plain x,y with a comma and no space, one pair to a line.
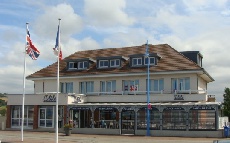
3,111
68,126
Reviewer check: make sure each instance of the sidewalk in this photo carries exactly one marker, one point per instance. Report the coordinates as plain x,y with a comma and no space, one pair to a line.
48,137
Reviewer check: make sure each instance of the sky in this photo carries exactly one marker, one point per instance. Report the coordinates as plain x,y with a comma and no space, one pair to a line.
197,25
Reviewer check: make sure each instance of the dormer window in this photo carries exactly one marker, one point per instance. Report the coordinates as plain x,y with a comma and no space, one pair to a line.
137,61
103,63
72,65
115,63
151,59
82,65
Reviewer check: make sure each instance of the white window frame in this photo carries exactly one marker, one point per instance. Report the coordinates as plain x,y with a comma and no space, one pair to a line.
150,60
137,59
45,119
152,83
71,65
63,87
131,84
106,87
102,63
84,86
180,86
27,119
116,63
84,64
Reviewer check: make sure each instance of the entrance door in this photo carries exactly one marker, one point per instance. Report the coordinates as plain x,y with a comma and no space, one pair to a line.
128,122
46,117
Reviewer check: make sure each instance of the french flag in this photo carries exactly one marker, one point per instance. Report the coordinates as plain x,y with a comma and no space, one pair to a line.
31,50
57,46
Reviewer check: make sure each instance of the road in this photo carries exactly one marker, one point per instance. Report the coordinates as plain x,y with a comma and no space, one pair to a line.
48,137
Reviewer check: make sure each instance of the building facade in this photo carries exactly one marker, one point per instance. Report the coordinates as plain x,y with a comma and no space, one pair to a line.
104,91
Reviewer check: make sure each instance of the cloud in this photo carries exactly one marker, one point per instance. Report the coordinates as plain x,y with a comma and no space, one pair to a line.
74,45
46,24
107,13
12,79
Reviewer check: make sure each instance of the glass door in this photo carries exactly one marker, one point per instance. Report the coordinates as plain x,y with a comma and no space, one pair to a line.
127,122
46,117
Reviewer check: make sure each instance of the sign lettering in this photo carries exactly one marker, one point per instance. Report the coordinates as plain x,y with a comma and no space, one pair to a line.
178,97
202,108
174,108
49,98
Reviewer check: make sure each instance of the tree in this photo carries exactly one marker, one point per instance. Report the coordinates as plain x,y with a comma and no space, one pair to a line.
226,103
2,94
3,111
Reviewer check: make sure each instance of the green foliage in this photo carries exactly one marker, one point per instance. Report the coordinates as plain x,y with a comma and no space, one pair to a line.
2,94
68,126
226,103
3,110
2,102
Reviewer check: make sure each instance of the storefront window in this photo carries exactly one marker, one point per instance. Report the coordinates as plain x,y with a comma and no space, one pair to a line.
46,116
174,118
202,120
106,117
16,115
154,115
80,117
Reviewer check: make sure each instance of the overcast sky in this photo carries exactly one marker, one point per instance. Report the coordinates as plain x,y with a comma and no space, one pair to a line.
200,25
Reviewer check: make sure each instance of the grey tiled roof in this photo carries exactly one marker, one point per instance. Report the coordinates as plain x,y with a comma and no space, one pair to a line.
171,60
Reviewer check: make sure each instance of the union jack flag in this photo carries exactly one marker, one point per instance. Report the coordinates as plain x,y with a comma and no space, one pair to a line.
133,88
31,50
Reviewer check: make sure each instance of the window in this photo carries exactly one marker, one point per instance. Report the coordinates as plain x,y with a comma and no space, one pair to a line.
202,119
156,85
103,63
130,85
72,65
108,86
137,61
86,86
174,119
16,115
115,63
66,87
46,116
154,116
180,83
151,59
82,65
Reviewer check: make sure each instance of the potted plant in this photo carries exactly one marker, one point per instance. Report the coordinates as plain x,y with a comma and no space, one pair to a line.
67,129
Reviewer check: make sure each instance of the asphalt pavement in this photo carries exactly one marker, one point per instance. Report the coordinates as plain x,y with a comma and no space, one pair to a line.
49,137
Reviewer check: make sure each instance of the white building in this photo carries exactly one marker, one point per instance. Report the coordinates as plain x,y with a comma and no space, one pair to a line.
104,91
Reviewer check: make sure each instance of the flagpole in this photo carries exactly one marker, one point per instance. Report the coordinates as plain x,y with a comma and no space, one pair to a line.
148,104
24,87
57,83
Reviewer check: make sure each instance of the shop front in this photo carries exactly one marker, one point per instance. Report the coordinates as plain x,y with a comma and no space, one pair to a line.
166,119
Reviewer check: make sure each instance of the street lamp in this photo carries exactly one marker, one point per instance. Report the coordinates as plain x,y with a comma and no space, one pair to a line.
148,104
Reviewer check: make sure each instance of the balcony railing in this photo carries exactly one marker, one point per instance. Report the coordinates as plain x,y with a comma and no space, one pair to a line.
151,92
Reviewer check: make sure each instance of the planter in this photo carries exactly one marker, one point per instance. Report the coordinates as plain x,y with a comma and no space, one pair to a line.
67,131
